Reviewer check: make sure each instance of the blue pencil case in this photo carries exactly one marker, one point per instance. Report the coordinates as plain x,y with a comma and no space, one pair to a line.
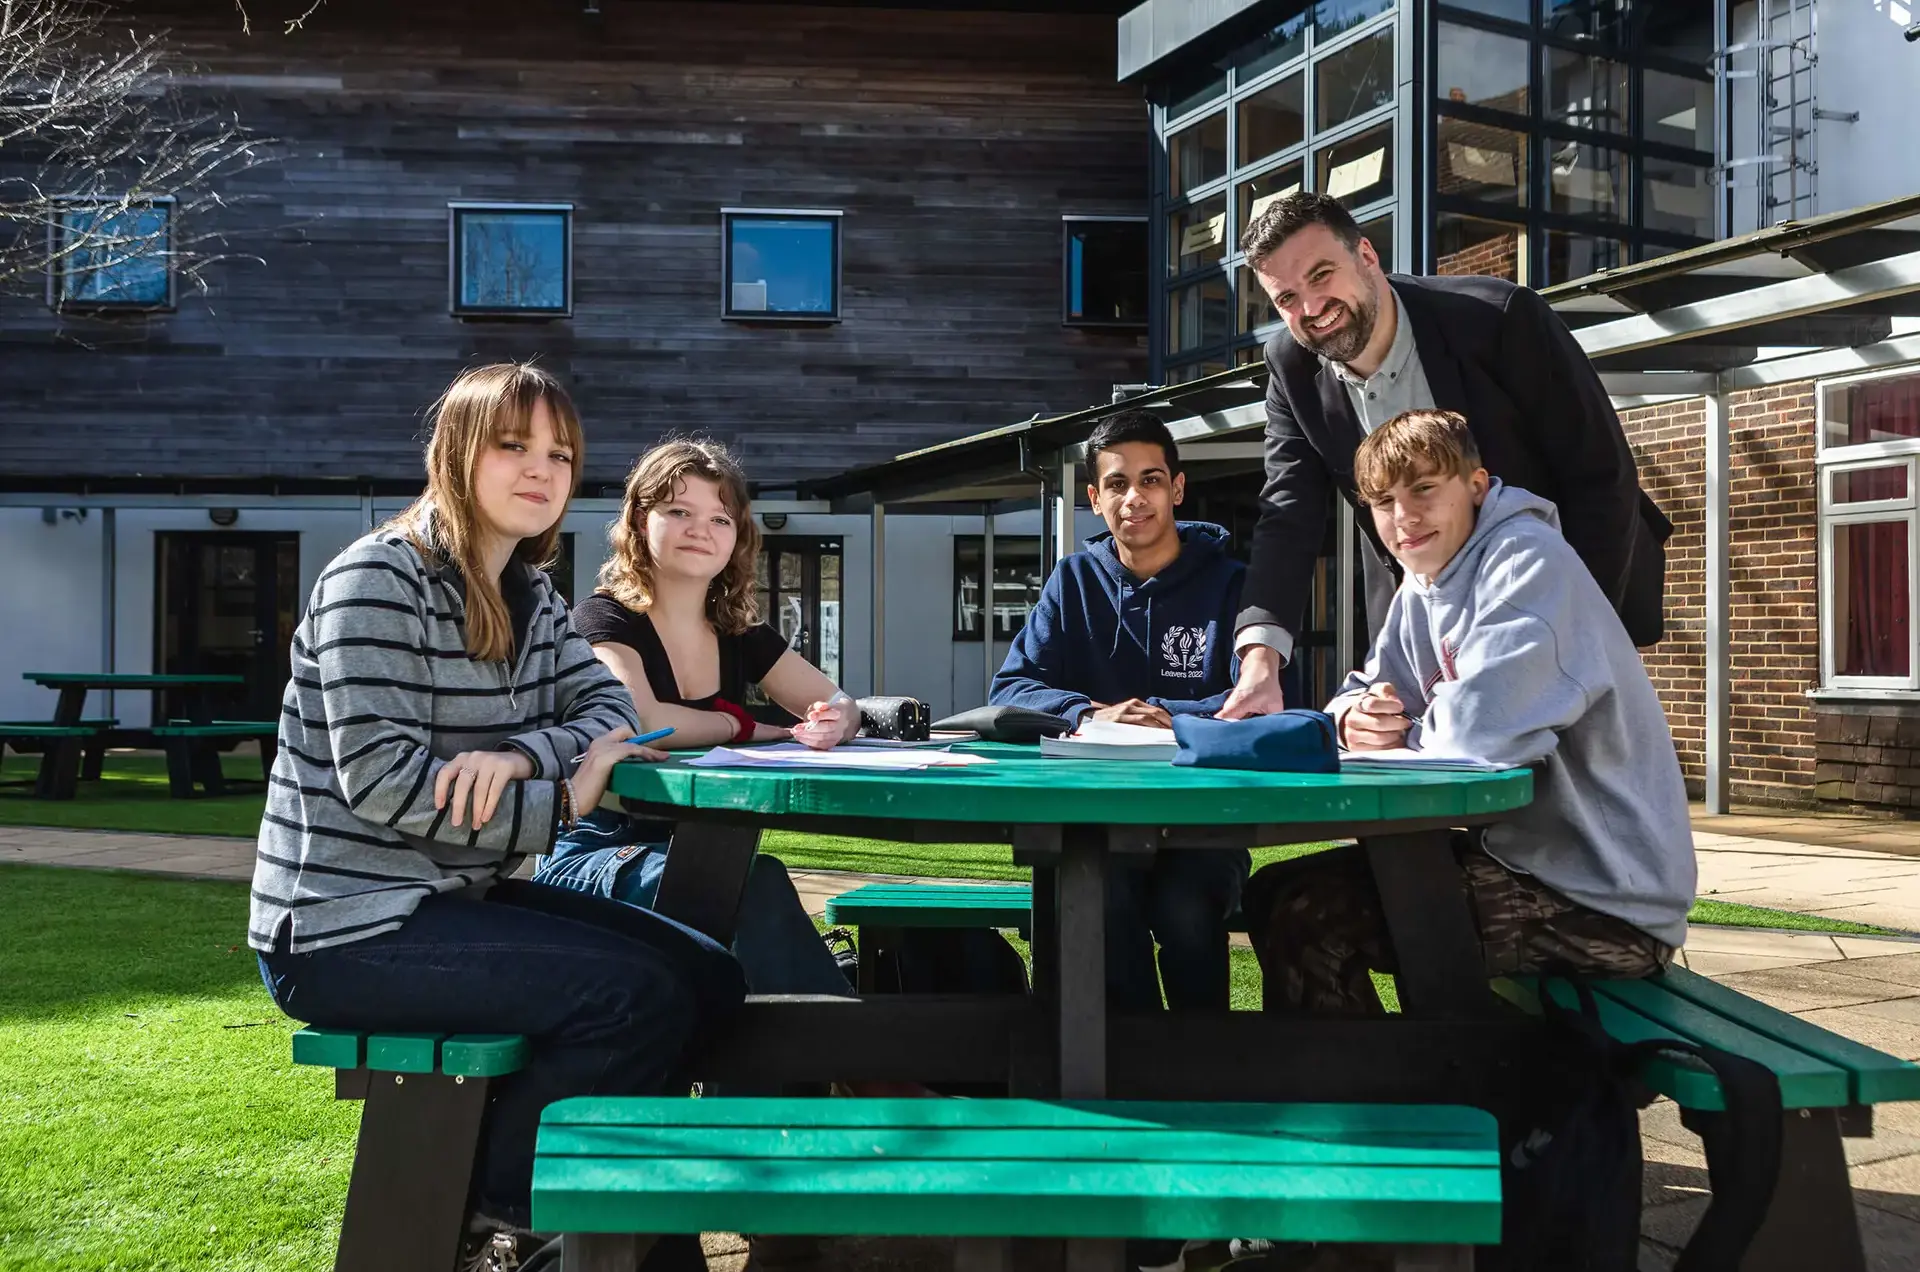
1294,741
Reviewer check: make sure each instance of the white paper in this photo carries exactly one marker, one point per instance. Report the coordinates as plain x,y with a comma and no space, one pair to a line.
793,755
1108,740
936,741
1113,733
1402,759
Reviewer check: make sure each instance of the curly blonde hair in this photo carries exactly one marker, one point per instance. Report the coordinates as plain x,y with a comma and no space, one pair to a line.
627,575
484,405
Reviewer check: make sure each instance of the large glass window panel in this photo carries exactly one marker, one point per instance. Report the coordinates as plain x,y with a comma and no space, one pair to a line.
1197,235
1511,10
1334,18
1197,154
1256,193
1254,309
1106,272
1479,161
779,265
1017,579
1379,232
1681,30
1278,46
1586,91
1872,599
1358,170
1472,245
1194,90
1571,255
1881,410
109,255
1273,119
511,260
1197,316
1601,20
1676,197
1679,110
1354,80
1481,68
1585,179
1195,371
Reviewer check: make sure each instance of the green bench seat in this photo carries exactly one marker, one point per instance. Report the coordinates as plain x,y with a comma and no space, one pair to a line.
419,1136
611,1173
193,757
943,905
61,748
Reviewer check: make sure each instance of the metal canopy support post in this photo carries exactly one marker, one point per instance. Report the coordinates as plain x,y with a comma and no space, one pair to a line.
1717,725
879,615
109,607
986,601
1063,512
366,509
1344,538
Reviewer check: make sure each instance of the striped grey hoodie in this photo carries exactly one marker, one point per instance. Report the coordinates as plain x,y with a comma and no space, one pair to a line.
383,694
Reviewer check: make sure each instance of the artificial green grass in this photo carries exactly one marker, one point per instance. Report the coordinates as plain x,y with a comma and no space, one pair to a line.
132,795
149,1116
1710,913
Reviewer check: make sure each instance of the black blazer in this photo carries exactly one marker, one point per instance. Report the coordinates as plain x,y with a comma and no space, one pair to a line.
1498,355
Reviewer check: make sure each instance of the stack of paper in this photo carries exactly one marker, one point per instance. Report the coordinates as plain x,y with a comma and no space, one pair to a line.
1101,740
1401,760
943,739
792,755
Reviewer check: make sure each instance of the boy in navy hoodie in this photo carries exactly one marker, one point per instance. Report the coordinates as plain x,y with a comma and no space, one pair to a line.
1137,629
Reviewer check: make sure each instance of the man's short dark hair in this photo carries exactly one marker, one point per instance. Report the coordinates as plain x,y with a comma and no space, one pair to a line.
1286,217
1131,426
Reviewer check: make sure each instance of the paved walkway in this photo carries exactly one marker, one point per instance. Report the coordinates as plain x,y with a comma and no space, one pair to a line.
1867,870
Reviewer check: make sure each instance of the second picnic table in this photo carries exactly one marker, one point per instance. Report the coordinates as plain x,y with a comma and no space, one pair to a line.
59,761
1072,821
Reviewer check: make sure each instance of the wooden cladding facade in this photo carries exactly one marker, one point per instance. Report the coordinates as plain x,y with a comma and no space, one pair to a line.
952,141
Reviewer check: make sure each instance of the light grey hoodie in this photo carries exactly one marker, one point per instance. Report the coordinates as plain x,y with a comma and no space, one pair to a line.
1513,654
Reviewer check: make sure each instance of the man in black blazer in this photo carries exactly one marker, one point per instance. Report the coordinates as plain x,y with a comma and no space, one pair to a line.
1359,349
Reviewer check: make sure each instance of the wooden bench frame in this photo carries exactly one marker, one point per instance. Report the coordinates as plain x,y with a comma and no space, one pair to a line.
425,1097
61,758
193,756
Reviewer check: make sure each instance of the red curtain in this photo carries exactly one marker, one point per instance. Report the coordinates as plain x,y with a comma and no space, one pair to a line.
1879,608
1883,410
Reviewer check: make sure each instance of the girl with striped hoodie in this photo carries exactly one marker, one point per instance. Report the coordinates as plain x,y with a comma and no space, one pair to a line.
443,722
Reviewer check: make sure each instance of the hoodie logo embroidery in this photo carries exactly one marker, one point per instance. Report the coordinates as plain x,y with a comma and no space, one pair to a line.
1183,650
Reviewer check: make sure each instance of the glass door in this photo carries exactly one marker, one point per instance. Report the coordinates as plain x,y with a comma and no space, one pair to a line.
226,604
797,582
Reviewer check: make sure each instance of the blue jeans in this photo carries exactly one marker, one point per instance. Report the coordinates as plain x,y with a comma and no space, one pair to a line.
1182,900
774,939
611,997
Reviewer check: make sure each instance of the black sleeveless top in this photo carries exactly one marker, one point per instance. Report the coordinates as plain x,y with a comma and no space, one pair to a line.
745,659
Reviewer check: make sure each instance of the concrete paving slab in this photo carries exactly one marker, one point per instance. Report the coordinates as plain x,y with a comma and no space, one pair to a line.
1895,1037
1810,946
1718,965
1811,987
1861,947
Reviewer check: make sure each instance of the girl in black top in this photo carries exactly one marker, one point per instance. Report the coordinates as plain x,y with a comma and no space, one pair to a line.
674,619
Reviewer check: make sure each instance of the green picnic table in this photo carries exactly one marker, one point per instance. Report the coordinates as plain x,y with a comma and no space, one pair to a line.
67,733
1073,821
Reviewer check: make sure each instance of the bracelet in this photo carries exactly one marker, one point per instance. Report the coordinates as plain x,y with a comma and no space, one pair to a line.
744,724
567,818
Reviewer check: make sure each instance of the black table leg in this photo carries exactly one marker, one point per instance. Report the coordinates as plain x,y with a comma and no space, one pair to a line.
1435,943
705,875
1081,1007
407,1199
60,758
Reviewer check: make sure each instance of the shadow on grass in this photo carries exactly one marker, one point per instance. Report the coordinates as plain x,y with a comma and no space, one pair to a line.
73,940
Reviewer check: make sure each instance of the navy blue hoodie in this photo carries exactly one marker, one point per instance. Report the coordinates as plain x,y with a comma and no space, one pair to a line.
1100,635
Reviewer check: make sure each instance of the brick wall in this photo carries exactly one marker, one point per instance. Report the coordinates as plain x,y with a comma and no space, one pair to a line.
1774,623
1497,257
1869,753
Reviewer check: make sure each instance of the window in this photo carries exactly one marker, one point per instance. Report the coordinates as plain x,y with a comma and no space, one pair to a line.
1869,532
510,260
1197,236
1017,579
1481,162
1354,80
1379,232
1359,170
1587,179
1273,119
1256,193
1197,316
1679,110
1197,155
1469,245
112,255
1678,197
1479,68
1105,268
1571,255
1511,10
1586,92
781,265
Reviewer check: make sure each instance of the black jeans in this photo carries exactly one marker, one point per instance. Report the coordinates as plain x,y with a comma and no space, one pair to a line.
611,997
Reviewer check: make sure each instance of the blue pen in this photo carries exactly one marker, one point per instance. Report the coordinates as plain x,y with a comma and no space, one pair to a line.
640,740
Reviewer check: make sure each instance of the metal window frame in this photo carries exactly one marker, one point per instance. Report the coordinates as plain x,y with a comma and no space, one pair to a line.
833,216
455,209
1001,545
1828,461
1067,221
57,278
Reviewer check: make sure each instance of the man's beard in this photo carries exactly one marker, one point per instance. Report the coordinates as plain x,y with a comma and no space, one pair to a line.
1345,343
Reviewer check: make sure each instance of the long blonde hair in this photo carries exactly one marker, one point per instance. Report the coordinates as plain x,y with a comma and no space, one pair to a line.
627,575
481,406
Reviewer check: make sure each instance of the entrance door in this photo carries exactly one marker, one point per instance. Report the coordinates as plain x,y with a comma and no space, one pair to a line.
798,584
226,604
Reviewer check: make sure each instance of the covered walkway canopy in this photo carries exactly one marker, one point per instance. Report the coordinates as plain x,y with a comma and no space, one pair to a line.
1808,299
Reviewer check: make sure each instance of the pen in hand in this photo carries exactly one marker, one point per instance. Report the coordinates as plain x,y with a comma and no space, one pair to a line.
638,740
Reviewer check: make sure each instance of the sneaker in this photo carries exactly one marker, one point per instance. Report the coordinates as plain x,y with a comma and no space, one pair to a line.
497,1251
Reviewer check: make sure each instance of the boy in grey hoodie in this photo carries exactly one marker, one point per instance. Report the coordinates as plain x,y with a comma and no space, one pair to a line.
1499,646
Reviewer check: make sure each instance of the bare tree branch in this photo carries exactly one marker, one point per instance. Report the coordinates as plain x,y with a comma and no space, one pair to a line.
109,173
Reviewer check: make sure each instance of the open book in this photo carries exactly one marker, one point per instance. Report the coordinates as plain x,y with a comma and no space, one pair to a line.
1101,740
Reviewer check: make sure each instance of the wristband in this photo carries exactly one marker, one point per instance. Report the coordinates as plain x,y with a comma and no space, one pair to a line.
744,724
